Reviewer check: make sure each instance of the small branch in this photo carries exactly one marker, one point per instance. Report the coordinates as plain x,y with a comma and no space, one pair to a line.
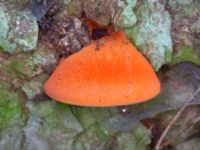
185,104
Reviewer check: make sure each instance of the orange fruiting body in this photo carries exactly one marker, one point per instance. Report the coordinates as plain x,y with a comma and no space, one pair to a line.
111,73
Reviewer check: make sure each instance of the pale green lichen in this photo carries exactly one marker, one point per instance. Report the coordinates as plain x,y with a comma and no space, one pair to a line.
19,30
4,27
7,46
124,3
31,64
151,34
66,2
33,88
127,17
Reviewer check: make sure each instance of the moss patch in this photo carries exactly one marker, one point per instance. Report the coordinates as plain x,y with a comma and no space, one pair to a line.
186,54
10,112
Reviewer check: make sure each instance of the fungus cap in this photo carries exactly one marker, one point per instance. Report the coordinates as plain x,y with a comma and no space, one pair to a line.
110,72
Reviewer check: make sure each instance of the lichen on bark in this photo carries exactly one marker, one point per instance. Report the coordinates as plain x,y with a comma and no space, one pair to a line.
19,30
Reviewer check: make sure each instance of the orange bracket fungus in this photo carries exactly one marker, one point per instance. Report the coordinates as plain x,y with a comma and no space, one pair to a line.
110,72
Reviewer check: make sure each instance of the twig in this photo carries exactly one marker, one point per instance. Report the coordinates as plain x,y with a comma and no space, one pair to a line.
185,104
